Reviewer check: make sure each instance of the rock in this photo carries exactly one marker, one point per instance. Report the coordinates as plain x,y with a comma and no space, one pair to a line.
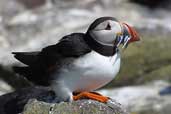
45,103
75,107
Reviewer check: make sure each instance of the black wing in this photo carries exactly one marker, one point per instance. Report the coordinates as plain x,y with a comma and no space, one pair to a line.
42,64
27,58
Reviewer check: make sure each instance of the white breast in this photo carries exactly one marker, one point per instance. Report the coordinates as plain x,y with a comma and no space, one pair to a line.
90,72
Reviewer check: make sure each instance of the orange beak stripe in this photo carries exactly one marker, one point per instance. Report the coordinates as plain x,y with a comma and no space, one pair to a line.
133,33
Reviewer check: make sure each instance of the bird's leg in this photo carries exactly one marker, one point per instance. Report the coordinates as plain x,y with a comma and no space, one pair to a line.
62,92
90,95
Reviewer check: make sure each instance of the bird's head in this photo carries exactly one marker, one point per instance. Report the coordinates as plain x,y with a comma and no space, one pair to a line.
106,34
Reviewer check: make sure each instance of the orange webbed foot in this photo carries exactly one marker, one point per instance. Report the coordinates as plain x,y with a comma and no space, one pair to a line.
90,95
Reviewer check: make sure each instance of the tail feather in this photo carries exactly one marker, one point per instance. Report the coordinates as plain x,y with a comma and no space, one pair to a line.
27,58
31,75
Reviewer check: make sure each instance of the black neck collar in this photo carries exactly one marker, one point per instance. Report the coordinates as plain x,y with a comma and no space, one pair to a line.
100,48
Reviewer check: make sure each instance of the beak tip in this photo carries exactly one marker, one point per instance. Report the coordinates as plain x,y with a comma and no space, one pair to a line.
133,33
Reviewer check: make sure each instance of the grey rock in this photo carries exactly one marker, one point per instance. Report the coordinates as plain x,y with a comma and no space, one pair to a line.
75,107
42,100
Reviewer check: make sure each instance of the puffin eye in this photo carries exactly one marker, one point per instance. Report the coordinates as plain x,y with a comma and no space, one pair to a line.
108,27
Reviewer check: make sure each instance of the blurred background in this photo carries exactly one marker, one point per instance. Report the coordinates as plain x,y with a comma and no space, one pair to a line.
143,84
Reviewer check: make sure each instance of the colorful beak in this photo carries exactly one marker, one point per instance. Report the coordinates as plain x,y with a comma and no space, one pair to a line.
132,33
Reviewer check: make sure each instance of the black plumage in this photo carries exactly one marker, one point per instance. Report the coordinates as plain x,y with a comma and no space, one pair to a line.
41,64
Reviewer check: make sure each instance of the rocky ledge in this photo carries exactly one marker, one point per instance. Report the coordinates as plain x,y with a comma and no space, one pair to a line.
42,100
76,107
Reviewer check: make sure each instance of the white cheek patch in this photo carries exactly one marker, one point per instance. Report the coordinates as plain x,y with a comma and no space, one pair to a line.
101,26
115,26
107,37
104,36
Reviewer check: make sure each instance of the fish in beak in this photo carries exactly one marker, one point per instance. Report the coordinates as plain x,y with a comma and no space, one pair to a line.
127,36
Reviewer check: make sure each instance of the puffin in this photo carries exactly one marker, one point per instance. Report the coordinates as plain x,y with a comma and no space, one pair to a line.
79,63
